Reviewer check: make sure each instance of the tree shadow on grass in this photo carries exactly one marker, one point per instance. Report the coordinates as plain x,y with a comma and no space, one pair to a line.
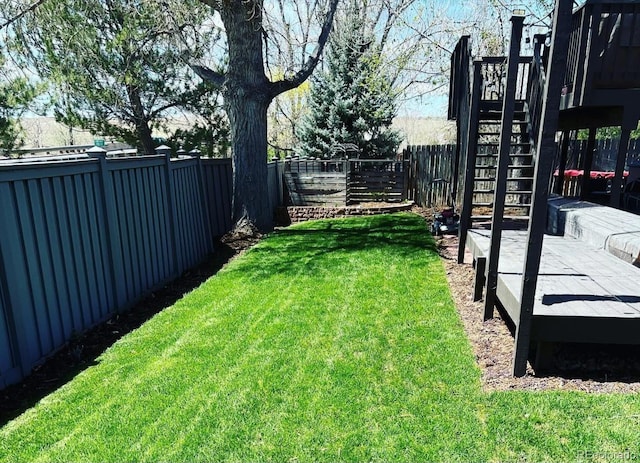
311,247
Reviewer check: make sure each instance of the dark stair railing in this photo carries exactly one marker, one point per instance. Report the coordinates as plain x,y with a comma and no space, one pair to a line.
504,159
459,107
481,138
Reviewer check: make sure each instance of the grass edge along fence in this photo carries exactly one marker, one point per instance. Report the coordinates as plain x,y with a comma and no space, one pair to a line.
85,238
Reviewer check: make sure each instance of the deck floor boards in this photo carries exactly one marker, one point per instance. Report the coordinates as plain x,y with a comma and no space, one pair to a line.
575,280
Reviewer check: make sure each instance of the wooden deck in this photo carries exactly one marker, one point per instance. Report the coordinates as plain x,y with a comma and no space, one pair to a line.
584,294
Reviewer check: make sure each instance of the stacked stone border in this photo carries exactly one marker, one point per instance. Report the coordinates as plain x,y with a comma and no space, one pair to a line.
294,214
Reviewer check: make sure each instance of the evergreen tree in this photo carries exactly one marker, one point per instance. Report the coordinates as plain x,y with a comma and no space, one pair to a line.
352,103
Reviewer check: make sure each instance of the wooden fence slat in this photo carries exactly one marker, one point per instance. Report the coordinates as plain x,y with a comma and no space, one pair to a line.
431,174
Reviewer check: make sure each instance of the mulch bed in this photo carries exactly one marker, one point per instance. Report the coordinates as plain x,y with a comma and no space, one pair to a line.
580,367
590,368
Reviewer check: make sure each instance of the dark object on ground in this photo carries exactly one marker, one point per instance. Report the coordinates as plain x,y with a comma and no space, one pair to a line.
446,221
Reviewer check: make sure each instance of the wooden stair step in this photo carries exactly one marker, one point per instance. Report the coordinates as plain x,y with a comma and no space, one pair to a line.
487,133
487,192
490,204
497,143
510,166
518,116
509,179
511,155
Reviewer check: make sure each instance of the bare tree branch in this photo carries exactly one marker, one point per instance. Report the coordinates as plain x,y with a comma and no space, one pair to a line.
20,15
215,78
299,77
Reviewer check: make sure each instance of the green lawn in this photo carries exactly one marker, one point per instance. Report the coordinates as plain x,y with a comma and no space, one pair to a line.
329,341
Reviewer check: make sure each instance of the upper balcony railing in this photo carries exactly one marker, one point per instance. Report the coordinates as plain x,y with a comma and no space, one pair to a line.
460,79
537,77
604,49
493,72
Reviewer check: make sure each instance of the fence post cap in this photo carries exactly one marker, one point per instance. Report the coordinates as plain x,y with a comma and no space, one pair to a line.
96,152
164,150
195,153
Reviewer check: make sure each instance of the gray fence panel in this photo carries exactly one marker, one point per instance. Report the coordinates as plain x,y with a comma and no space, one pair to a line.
273,183
142,224
54,248
9,367
191,228
84,239
218,184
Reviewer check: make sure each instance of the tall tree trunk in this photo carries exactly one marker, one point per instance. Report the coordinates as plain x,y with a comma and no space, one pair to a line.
247,96
248,118
247,93
142,123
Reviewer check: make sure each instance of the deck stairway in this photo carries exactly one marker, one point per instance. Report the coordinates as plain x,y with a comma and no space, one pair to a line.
583,75
520,170
485,129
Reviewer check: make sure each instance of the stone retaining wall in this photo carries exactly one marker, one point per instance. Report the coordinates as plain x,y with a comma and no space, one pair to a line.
293,214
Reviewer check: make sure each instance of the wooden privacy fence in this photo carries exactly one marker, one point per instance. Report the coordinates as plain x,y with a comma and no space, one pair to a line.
604,155
431,172
376,180
345,182
432,168
84,239
316,183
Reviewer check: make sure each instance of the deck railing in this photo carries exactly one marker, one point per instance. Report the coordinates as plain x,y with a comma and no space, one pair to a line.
493,72
604,49
460,107
459,81
536,85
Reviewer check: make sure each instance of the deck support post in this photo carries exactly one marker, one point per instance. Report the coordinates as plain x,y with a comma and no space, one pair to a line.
546,149
500,184
621,160
585,185
478,284
564,151
471,153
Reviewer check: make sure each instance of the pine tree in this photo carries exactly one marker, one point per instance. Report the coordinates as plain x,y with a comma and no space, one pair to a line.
351,103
